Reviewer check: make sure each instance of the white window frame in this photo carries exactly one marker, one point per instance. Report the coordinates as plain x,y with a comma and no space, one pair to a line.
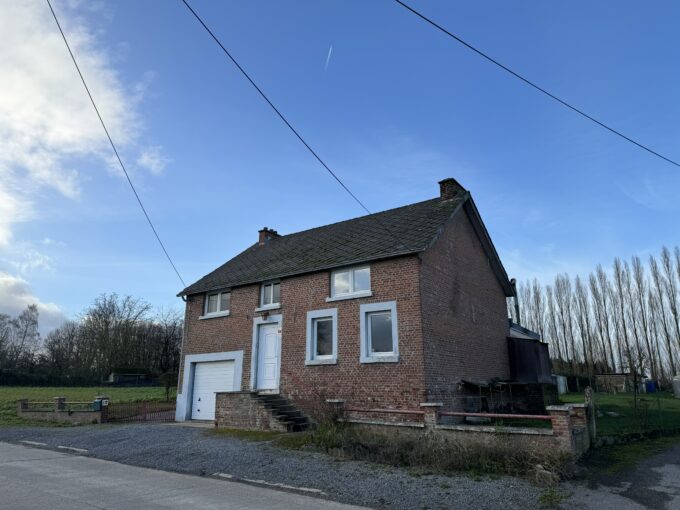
218,313
371,357
270,306
311,358
351,294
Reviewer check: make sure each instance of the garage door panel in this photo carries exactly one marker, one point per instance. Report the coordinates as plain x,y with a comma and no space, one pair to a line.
210,377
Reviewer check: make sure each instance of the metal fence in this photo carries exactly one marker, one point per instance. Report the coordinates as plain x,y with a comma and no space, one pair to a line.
129,412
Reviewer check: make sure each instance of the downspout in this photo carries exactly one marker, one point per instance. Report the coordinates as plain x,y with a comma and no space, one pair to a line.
513,284
184,335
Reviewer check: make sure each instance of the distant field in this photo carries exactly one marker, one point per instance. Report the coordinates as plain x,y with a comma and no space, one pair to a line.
656,411
10,394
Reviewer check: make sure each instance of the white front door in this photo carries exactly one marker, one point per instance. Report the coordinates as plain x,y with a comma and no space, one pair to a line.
268,357
210,377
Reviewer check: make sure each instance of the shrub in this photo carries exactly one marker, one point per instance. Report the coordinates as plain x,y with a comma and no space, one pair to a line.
494,453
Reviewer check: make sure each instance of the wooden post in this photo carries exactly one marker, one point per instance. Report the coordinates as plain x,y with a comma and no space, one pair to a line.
59,403
590,415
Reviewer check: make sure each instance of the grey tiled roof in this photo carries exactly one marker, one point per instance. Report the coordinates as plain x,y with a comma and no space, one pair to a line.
408,229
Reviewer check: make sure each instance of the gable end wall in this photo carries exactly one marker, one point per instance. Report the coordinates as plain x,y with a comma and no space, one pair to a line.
464,314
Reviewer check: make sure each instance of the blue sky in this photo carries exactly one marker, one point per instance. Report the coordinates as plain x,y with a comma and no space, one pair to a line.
399,107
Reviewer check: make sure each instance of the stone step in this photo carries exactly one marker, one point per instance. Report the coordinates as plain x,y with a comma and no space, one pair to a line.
284,411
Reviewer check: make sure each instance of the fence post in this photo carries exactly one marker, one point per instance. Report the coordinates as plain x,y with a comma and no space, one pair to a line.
431,416
59,403
23,404
590,414
102,402
145,409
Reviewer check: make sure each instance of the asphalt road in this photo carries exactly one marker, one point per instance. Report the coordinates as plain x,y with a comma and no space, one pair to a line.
652,484
33,478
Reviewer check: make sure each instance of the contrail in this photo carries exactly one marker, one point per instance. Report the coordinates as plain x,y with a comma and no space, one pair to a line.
328,58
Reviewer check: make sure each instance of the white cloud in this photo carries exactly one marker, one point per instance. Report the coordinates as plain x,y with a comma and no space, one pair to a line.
32,260
16,294
46,120
153,160
48,127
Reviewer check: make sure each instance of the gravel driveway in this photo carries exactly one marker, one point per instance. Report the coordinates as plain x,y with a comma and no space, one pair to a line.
197,451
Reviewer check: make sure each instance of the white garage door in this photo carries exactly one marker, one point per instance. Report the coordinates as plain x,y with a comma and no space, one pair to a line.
210,377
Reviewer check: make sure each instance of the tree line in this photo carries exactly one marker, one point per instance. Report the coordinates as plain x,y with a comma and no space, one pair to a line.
113,333
626,319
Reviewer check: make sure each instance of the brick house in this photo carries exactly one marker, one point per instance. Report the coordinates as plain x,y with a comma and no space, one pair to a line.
387,310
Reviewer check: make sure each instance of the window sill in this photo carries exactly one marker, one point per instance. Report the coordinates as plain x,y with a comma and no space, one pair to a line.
327,361
392,358
267,308
355,295
213,315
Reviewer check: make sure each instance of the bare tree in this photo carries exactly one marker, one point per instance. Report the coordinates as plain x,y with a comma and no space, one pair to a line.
659,307
628,322
583,316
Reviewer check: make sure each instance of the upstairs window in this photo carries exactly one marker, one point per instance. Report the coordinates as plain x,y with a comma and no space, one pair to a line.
270,295
351,282
217,303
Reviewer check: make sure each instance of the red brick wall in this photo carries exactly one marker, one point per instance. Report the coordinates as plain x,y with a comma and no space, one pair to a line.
241,411
359,384
464,313
380,384
232,333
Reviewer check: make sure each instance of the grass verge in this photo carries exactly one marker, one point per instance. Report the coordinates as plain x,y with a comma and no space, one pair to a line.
489,455
551,498
616,458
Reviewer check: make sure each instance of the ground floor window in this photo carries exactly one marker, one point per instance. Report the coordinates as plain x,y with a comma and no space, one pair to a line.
379,332
322,337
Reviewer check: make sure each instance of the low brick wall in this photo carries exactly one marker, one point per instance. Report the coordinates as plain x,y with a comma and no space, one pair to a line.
569,432
59,414
239,410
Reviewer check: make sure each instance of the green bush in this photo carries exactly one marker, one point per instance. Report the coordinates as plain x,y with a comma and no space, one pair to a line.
492,454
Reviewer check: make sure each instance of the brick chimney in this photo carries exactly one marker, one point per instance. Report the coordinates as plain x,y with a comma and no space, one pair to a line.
266,234
449,188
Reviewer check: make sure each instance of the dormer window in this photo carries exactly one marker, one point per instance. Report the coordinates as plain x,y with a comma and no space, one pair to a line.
216,304
350,283
270,295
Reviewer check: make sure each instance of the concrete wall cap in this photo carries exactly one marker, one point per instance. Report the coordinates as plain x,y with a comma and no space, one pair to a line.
557,408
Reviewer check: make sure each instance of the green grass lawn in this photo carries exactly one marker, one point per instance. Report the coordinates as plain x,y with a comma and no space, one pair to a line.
10,394
656,411
612,459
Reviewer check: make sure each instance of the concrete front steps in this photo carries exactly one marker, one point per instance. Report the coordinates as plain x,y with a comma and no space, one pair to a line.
284,411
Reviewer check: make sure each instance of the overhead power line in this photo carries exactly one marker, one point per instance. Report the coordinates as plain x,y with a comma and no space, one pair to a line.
278,112
534,85
113,146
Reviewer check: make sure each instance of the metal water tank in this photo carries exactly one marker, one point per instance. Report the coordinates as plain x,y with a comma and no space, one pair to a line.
676,386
